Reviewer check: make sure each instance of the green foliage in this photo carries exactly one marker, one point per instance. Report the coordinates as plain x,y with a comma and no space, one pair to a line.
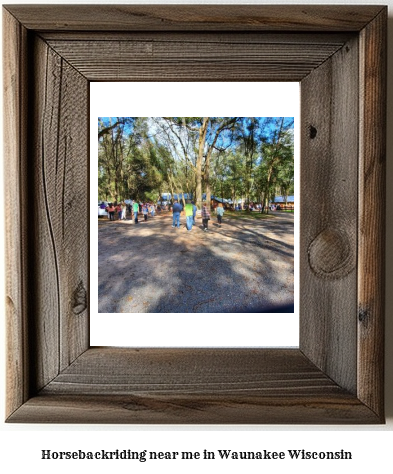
249,158
152,196
239,215
130,164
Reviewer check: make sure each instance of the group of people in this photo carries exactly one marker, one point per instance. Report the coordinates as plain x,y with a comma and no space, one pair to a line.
190,210
133,209
252,207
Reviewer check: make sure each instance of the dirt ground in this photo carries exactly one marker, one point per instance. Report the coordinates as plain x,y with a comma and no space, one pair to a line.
244,266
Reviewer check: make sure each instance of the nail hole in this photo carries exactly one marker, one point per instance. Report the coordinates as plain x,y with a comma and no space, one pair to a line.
313,132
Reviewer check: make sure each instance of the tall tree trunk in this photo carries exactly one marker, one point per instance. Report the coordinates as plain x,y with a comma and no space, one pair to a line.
208,156
222,191
202,140
265,204
171,186
207,178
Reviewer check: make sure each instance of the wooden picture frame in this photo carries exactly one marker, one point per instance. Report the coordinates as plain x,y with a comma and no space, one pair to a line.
338,54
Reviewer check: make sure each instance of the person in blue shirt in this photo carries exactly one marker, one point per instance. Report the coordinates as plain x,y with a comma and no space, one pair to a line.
145,211
176,210
220,213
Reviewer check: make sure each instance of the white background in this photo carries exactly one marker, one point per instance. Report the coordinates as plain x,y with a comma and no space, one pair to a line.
20,445
174,99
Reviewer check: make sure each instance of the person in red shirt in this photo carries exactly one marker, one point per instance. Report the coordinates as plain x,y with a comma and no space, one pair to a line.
205,217
111,210
119,210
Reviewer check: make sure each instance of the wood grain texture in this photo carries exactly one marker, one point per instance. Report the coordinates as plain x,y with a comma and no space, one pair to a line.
188,58
195,17
371,261
201,37
52,374
185,371
220,409
195,386
59,184
328,248
14,148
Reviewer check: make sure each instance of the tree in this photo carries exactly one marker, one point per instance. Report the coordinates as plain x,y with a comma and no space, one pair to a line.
249,136
277,159
111,156
129,162
217,127
208,131
249,157
144,162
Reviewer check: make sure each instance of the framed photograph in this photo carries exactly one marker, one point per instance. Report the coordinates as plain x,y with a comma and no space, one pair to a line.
51,56
245,266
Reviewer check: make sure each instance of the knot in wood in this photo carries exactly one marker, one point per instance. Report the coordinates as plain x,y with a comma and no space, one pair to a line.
364,316
80,299
330,254
313,132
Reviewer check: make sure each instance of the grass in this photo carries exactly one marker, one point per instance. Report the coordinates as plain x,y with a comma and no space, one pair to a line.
246,215
239,215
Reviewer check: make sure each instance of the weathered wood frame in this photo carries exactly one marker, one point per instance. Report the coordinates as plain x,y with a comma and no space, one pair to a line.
338,53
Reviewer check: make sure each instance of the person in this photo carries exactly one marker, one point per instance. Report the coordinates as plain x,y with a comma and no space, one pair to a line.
220,213
111,211
136,209
205,217
124,211
189,215
145,211
119,211
194,211
152,210
176,210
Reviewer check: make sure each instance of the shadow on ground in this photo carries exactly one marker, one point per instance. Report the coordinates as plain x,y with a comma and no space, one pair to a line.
244,266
